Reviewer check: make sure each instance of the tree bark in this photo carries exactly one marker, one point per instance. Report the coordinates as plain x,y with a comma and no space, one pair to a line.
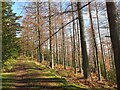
74,48
39,33
94,44
50,34
85,63
114,33
103,59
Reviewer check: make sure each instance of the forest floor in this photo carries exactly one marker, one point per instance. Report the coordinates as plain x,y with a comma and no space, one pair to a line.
24,74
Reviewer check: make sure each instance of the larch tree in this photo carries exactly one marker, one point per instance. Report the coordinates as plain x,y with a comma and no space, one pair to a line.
63,38
73,41
95,44
39,31
98,27
50,34
85,64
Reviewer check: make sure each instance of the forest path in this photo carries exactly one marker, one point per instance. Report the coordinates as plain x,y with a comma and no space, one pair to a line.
31,75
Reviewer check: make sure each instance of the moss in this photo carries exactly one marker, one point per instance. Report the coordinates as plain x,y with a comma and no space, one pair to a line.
36,73
8,65
8,80
106,86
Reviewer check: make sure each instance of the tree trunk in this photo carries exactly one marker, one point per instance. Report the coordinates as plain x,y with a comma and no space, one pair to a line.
39,33
113,24
85,63
78,48
56,38
74,50
100,41
95,45
50,33
63,40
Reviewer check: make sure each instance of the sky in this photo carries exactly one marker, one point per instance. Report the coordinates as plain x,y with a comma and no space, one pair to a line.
17,7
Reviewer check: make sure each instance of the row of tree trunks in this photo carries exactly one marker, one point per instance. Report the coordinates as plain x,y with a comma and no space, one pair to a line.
61,46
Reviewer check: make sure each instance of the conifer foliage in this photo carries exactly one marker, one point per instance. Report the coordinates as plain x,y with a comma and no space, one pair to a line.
10,47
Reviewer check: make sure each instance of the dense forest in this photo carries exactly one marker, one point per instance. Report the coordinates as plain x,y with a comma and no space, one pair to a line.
61,45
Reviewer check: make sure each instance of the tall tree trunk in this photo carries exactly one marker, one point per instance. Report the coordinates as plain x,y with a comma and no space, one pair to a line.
95,45
100,40
39,33
63,39
50,33
71,39
78,48
85,63
113,24
56,38
74,50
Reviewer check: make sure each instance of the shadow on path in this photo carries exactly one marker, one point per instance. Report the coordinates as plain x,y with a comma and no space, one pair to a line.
27,75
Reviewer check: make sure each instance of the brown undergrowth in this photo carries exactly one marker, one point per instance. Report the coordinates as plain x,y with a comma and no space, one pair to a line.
91,83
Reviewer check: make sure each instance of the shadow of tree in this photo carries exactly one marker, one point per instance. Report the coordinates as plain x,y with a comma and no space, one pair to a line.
30,77
38,84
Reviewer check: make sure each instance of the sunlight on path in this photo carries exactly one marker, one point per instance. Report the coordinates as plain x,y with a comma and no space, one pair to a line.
30,75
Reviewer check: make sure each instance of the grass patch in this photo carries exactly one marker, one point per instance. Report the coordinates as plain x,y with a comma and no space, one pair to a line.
33,74
8,80
8,75
8,65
